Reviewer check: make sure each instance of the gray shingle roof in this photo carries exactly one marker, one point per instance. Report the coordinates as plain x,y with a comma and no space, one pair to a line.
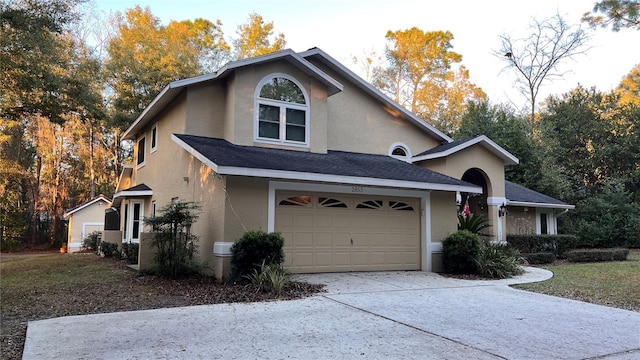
519,193
341,163
140,187
445,146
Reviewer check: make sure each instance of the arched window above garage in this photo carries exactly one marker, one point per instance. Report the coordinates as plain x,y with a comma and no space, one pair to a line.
400,151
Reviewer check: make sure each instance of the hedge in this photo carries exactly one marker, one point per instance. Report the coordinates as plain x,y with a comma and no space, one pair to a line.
531,243
540,258
595,255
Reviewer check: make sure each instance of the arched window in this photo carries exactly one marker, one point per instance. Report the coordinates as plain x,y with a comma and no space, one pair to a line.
282,114
400,151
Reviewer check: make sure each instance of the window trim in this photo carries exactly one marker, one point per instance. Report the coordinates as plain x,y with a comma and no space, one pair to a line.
139,163
154,138
282,136
403,146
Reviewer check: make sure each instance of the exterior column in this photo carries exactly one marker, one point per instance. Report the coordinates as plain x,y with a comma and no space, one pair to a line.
498,223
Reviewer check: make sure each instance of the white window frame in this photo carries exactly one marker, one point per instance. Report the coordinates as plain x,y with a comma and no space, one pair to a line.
130,236
283,105
144,152
154,138
404,147
552,224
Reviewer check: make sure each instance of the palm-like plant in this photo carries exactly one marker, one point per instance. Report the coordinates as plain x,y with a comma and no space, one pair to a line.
474,223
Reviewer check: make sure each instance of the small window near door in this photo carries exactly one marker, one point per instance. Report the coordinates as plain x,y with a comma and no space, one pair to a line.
544,229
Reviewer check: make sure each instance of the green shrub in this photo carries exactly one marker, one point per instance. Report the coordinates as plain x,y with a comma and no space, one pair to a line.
253,249
459,251
174,242
109,249
532,243
272,277
92,241
498,261
130,252
540,258
595,255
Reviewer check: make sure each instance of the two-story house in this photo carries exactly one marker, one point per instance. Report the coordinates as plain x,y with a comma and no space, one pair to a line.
299,144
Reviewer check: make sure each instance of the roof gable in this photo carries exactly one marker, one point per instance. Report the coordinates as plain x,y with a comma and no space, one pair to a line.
453,147
87,204
173,89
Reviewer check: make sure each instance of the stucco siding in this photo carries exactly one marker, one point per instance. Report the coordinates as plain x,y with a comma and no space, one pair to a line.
84,221
247,206
444,220
521,222
206,108
355,119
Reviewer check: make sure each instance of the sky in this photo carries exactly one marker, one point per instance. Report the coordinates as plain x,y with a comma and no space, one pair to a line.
344,29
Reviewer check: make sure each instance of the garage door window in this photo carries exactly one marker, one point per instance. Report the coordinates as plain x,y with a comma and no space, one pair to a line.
370,204
296,201
397,205
331,202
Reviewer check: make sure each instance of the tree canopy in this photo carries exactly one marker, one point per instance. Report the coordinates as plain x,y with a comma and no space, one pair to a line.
255,38
615,13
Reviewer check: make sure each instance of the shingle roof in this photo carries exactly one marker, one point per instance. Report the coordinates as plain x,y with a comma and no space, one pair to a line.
140,187
445,146
340,163
521,194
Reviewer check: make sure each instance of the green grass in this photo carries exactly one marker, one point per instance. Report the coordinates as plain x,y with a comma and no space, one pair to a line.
614,283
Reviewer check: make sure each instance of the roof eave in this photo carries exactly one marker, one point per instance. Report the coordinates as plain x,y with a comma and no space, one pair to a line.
540,205
507,157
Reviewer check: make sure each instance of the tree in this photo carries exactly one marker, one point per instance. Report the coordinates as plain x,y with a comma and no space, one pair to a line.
419,76
144,56
501,124
535,59
629,88
617,13
254,38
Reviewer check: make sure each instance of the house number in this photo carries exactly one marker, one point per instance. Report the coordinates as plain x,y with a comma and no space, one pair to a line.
357,189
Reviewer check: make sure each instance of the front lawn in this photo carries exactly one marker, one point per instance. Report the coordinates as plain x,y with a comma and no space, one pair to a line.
614,283
43,287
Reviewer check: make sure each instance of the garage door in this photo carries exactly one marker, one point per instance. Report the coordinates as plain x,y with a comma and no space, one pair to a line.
343,232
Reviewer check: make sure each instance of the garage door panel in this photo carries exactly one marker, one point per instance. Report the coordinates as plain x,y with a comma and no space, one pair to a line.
335,235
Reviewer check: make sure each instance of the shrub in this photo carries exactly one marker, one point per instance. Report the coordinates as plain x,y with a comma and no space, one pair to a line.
498,261
532,243
130,252
540,258
92,241
272,277
253,249
109,249
595,255
172,237
459,251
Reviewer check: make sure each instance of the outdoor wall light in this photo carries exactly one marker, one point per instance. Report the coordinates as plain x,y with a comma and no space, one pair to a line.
502,211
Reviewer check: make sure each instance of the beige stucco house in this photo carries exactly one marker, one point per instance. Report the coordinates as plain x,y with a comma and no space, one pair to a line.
85,219
299,144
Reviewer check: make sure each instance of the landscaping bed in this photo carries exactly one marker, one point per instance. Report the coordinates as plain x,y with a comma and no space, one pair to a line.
43,287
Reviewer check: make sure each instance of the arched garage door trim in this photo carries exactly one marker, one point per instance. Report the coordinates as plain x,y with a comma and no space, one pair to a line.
424,196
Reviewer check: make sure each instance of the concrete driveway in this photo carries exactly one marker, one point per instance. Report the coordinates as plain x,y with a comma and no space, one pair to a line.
387,315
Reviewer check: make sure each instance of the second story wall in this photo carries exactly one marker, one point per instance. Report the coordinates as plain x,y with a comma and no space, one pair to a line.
206,110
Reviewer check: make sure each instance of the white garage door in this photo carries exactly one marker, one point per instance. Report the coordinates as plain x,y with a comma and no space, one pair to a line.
343,232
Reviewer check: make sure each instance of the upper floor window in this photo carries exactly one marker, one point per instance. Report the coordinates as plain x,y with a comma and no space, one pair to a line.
154,138
141,150
400,151
282,114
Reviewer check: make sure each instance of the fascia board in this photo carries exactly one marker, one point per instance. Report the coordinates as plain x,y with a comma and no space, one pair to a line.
508,158
539,205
